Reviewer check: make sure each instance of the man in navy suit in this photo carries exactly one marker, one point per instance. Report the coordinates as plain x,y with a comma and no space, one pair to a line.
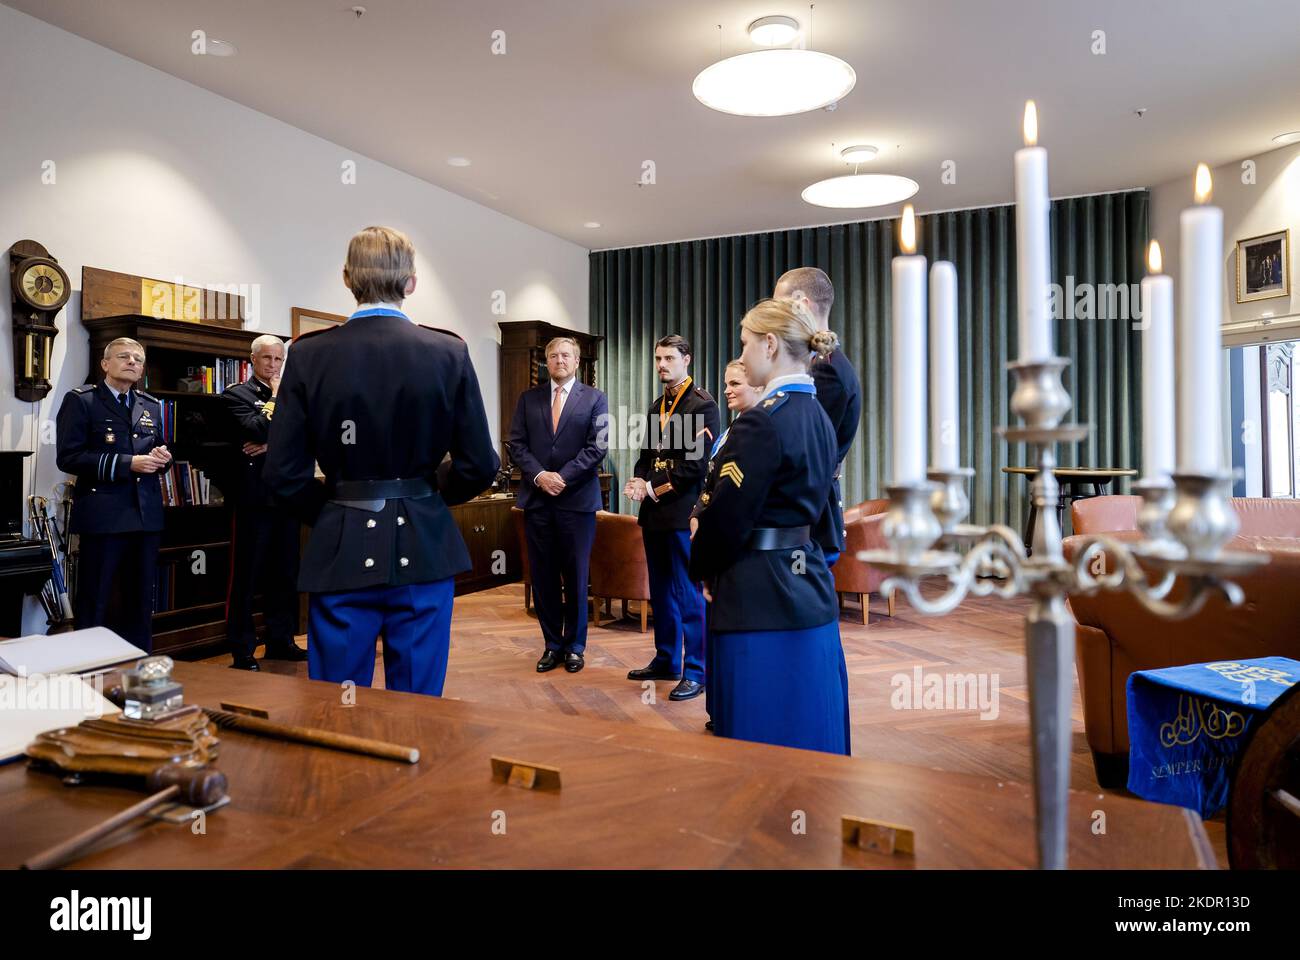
558,439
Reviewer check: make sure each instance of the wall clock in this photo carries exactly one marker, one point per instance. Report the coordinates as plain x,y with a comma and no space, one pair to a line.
39,288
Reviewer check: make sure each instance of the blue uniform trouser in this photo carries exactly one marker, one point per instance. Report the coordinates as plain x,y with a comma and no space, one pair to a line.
122,566
678,604
414,622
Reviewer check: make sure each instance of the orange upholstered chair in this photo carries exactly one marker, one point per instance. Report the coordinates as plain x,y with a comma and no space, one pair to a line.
618,567
861,532
1117,636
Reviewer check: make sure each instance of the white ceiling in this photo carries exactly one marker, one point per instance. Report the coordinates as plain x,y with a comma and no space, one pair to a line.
557,129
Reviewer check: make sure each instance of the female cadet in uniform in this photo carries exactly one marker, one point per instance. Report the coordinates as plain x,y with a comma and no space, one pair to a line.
741,395
773,618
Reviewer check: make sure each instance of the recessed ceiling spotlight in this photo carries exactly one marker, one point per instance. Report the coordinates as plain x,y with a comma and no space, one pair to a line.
458,161
220,48
1283,138
773,31
860,190
591,224
859,154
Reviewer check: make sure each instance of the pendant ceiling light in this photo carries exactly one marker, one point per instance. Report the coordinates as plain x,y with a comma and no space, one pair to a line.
774,83
860,190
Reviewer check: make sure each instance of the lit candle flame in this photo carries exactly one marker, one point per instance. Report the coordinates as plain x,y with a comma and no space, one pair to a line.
1031,124
1154,261
1204,184
907,235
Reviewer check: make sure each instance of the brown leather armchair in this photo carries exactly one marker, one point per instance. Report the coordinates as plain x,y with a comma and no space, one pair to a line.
861,532
1116,636
618,565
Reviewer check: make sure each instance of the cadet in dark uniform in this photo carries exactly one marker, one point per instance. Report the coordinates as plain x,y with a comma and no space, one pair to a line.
379,402
740,396
682,426
838,391
773,619
264,549
110,438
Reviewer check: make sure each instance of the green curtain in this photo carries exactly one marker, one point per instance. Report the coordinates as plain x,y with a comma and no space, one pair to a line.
701,288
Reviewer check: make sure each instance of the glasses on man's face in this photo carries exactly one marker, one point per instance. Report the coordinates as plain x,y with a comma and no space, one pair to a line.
125,357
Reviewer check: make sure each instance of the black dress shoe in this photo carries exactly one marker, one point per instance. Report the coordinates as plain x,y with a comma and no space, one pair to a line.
686,690
549,661
245,663
288,652
573,662
652,673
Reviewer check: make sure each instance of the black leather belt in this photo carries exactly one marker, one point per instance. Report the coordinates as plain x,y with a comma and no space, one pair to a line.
778,538
373,494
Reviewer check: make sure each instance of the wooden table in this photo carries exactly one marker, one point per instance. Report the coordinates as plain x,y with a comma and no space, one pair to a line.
632,796
1071,481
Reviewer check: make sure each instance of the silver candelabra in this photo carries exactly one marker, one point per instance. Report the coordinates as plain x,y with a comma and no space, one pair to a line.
1184,525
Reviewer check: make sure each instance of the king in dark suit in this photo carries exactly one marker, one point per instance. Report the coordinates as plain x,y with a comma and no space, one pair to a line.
110,437
839,391
669,474
379,402
558,439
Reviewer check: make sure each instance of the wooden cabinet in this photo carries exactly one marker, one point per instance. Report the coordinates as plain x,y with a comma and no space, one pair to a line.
494,548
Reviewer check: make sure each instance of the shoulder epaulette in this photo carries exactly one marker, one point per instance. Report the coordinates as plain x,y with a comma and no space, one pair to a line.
774,402
450,333
703,393
147,396
84,388
312,333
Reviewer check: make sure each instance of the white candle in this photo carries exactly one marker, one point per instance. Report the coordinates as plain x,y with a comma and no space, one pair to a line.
1033,245
943,366
1157,370
1199,340
908,357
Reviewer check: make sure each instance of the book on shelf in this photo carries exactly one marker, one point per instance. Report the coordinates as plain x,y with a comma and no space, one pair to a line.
185,485
222,373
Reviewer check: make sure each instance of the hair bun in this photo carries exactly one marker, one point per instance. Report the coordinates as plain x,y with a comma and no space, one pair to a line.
823,342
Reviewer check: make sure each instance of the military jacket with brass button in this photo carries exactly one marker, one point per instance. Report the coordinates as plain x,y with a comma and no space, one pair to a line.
774,470
674,459
379,398
96,439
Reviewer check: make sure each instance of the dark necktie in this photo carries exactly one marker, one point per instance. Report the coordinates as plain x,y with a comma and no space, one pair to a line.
121,399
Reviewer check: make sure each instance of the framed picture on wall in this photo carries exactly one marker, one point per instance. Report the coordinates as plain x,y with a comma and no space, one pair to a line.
1263,267
305,320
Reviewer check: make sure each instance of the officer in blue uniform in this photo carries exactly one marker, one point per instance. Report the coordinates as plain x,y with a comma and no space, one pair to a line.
839,391
393,414
682,425
773,619
740,396
110,438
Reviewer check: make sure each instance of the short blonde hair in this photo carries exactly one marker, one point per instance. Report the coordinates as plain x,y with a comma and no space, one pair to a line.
793,325
734,363
123,340
380,261
577,350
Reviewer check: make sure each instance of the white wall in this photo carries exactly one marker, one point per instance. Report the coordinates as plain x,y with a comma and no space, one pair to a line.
1269,204
157,177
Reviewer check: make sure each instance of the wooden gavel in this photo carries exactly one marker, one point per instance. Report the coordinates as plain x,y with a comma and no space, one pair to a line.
197,786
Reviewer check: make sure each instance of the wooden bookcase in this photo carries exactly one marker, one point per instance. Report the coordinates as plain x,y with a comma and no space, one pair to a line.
196,626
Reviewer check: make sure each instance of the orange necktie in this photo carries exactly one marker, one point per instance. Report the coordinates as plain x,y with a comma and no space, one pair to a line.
556,406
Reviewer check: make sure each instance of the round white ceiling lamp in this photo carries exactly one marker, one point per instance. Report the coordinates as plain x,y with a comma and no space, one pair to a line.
1285,138
858,154
774,83
773,31
220,48
860,190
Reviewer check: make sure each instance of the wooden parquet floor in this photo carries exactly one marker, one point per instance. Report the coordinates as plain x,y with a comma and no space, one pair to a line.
494,646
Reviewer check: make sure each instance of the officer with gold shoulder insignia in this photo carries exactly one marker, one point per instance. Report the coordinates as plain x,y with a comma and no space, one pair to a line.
109,436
